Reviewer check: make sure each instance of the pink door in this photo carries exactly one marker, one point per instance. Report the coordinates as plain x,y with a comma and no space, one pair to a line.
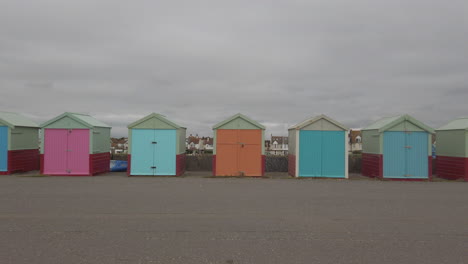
66,151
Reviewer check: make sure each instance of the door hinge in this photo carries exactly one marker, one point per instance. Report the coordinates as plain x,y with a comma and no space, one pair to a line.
154,142
153,167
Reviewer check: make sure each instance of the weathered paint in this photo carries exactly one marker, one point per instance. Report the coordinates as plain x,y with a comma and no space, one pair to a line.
238,152
24,138
4,148
405,155
66,152
371,142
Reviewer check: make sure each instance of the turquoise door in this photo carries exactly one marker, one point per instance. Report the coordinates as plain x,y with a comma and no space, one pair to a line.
310,153
405,155
417,155
333,154
321,153
3,148
153,152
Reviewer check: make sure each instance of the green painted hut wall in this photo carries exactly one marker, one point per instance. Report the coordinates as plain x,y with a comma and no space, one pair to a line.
66,123
100,140
322,125
181,135
214,142
292,141
406,126
451,143
372,141
238,123
24,138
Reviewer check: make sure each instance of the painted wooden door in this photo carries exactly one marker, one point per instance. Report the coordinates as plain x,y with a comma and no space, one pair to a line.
153,152
3,148
238,152
333,154
405,155
66,151
78,152
322,153
310,153
417,155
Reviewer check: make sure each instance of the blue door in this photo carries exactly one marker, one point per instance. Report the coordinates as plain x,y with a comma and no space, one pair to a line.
417,155
405,155
333,154
394,158
153,152
142,152
310,153
165,152
3,148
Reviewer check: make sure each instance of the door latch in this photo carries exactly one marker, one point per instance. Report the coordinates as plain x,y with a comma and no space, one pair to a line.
153,167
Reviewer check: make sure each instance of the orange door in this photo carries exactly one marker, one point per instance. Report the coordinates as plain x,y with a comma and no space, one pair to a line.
238,152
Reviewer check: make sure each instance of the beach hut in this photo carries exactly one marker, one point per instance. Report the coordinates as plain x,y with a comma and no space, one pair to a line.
318,148
74,144
238,147
156,147
397,147
452,150
19,143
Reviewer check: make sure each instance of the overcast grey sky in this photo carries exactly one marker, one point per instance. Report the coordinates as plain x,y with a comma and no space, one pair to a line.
199,62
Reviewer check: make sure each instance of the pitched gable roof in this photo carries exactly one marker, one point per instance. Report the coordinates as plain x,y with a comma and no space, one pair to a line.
457,124
389,122
157,116
241,116
318,118
84,119
13,120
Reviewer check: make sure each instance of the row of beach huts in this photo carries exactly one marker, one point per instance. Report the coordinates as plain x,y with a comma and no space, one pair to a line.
77,144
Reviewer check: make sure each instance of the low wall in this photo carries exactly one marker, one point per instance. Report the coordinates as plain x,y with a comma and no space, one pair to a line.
204,162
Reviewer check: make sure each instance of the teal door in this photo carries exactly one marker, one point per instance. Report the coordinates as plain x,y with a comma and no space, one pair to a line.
321,153
3,148
405,155
153,152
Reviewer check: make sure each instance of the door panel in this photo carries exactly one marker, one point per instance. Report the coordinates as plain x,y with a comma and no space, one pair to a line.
165,152
3,148
55,151
142,152
394,160
333,154
310,153
227,136
78,151
227,163
249,136
250,160
417,156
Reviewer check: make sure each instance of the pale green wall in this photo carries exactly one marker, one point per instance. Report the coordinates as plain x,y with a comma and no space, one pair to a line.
24,138
292,141
100,140
466,143
153,123
66,123
451,143
129,151
406,126
181,134
214,142
238,123
371,142
324,125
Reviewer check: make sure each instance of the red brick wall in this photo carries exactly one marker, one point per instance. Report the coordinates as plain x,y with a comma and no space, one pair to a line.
292,165
99,163
452,168
372,165
180,164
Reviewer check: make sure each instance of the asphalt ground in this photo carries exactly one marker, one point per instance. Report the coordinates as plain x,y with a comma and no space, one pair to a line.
199,219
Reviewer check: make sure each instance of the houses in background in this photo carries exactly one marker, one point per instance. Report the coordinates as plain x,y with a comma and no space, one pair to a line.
119,145
355,140
278,145
196,144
